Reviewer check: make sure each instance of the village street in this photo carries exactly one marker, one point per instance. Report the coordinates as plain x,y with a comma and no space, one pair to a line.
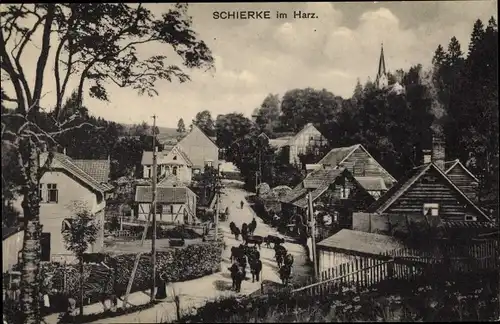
195,293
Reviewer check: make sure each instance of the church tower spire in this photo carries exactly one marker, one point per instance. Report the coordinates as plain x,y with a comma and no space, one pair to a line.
381,80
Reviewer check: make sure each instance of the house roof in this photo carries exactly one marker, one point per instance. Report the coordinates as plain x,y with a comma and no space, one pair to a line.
372,183
406,183
97,169
303,201
338,155
296,193
170,180
349,241
280,141
450,165
171,195
70,166
320,177
147,156
9,231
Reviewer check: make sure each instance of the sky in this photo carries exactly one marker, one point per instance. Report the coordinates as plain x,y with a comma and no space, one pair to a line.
254,58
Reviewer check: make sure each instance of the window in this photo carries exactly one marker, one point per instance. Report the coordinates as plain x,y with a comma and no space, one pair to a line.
174,170
40,192
344,193
431,209
175,157
171,209
159,208
470,218
209,163
52,193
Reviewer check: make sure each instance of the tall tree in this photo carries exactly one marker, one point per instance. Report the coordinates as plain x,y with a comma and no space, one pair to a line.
204,121
302,106
181,128
94,43
268,114
231,128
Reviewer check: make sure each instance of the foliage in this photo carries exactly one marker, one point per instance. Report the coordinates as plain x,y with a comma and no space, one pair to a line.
181,127
267,115
94,43
205,122
82,233
458,299
231,128
176,232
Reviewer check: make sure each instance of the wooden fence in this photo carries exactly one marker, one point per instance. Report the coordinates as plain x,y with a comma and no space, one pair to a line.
406,264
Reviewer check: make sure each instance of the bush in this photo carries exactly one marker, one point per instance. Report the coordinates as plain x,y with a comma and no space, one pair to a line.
466,297
176,232
180,264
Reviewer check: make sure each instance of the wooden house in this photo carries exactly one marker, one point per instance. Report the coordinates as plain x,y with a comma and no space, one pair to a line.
360,163
291,147
463,179
335,193
175,205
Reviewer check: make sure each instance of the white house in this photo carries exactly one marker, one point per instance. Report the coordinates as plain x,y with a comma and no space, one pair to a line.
68,186
171,161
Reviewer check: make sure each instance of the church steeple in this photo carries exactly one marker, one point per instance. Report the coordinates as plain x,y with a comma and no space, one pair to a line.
381,79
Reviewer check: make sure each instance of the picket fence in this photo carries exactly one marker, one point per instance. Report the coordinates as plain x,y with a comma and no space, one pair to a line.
406,264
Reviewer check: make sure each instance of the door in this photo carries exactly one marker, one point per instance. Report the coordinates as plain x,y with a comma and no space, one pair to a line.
45,243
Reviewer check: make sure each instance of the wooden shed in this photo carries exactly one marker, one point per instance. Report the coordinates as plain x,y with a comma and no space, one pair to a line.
348,245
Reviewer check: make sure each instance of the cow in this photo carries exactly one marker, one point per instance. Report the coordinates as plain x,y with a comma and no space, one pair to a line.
252,252
273,239
280,253
234,230
236,253
255,268
254,239
237,276
285,274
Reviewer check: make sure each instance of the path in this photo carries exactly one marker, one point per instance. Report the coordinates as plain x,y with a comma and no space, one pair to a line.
195,293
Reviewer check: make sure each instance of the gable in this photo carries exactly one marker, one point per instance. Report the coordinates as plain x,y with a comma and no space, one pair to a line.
198,137
177,156
361,164
306,135
458,169
427,184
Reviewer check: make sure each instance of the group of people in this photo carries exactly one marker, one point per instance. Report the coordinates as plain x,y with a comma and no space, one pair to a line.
241,256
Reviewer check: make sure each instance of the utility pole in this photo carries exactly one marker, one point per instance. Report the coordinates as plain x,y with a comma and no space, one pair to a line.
153,206
217,192
313,233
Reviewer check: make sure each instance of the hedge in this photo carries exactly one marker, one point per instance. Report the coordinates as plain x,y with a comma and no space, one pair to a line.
179,264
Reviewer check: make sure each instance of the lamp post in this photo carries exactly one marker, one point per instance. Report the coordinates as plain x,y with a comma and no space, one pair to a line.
312,227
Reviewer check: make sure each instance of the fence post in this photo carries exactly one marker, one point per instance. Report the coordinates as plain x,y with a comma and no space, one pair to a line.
390,269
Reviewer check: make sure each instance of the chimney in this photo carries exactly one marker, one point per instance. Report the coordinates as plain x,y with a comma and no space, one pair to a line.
427,156
438,151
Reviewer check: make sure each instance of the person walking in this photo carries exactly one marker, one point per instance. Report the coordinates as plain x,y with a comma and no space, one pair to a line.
161,292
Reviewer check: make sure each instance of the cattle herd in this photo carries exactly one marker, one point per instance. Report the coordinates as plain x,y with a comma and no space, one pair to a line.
244,255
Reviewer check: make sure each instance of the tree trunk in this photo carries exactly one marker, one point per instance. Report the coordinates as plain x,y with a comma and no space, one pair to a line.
81,285
31,253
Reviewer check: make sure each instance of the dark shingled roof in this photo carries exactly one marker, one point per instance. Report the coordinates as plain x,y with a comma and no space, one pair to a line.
295,194
69,165
171,195
97,169
337,155
355,242
372,183
319,177
302,202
